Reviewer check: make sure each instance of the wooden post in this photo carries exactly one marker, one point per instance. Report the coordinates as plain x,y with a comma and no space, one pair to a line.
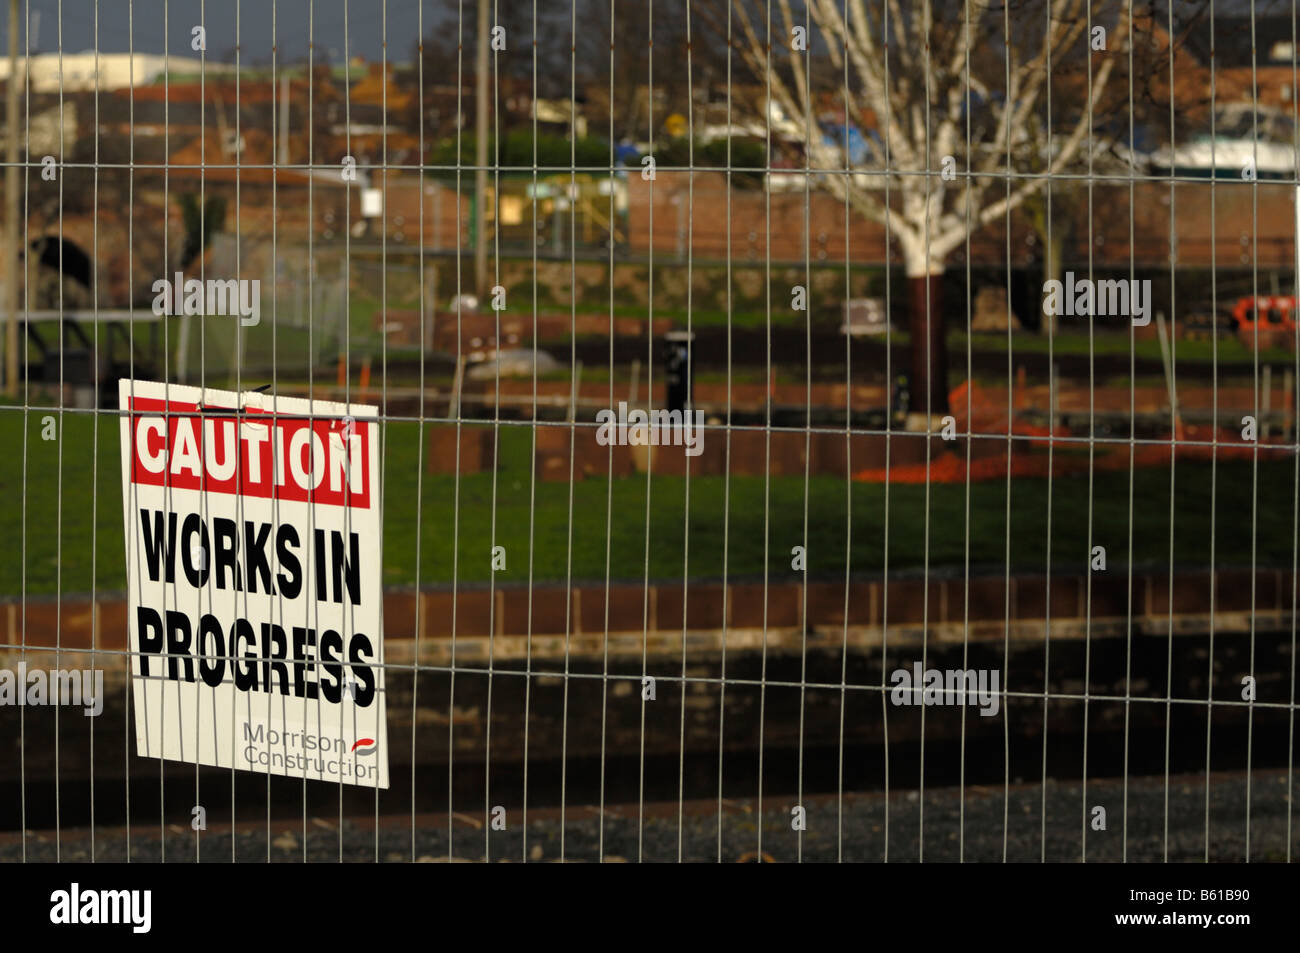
480,154
1054,399
1267,409
453,409
1288,414
1169,379
11,209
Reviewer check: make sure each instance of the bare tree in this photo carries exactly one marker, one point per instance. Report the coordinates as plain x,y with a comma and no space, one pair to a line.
953,85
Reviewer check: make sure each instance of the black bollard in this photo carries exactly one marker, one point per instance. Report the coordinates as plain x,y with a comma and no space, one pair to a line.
678,370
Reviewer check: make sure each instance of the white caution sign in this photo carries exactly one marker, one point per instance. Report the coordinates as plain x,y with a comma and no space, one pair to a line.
253,554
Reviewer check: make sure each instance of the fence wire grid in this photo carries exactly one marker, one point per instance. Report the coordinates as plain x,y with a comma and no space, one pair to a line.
815,430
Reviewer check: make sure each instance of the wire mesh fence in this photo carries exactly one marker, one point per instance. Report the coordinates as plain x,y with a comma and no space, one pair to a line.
824,430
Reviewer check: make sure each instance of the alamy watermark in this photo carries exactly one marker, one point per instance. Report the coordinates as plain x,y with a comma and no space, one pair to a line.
655,428
228,296
57,687
76,906
960,686
1106,298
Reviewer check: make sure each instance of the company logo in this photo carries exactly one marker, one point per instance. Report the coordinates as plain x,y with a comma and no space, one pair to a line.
308,753
77,906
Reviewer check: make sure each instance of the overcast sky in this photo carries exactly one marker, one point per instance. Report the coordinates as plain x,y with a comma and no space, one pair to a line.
364,21
365,24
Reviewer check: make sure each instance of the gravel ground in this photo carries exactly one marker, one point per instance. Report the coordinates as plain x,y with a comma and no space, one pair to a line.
865,817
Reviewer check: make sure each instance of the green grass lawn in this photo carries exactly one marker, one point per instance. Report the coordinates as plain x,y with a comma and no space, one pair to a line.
287,344
49,541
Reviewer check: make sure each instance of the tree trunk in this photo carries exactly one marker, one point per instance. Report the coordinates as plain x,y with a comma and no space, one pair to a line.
929,349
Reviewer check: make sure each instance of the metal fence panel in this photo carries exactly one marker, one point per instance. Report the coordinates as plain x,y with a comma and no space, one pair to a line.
811,430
